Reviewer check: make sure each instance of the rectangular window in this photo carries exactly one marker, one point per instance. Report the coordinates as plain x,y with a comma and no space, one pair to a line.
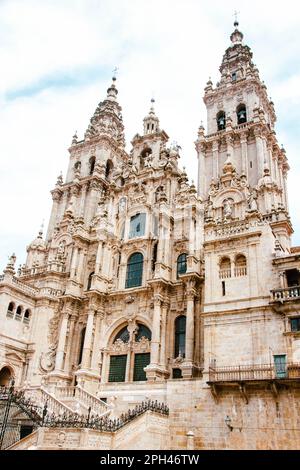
137,225
117,368
280,366
140,362
234,76
295,324
223,288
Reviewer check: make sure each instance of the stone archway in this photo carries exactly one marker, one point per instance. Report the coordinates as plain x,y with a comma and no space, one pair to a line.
5,376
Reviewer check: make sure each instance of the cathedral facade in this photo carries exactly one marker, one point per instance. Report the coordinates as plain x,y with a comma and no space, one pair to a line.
148,288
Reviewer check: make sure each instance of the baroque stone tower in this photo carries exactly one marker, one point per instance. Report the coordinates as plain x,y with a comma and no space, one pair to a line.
143,289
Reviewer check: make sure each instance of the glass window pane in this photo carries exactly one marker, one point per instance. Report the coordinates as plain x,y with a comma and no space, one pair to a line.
117,368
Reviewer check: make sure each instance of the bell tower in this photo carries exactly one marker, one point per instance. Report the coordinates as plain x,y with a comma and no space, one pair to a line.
241,142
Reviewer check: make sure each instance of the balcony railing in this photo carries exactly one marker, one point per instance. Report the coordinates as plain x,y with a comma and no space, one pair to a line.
225,273
288,293
254,372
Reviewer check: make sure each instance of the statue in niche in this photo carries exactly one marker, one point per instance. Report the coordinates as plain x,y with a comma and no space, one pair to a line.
122,205
252,203
227,208
209,210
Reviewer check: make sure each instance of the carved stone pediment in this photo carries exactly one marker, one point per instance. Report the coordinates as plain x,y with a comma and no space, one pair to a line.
14,357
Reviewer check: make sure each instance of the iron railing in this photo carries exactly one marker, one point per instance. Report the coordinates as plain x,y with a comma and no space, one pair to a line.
41,417
254,372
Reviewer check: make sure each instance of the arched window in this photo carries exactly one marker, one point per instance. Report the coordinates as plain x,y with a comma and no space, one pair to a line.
134,275
108,168
142,331
181,264
18,313
92,161
225,268
179,349
5,377
89,283
240,268
26,318
10,309
123,335
154,256
77,166
241,114
81,344
221,120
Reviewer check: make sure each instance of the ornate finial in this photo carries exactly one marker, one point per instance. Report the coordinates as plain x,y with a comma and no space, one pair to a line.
40,235
236,23
75,138
10,267
59,181
115,73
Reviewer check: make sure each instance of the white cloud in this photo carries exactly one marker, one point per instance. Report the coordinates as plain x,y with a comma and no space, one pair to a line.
166,47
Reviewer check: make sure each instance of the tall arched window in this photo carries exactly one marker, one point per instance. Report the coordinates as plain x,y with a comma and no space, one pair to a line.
179,349
221,120
81,344
134,275
108,168
89,283
10,309
26,318
181,264
225,268
241,114
92,161
18,313
240,268
154,256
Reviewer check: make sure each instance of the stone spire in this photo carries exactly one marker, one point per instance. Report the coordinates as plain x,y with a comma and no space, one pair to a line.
107,119
238,56
151,121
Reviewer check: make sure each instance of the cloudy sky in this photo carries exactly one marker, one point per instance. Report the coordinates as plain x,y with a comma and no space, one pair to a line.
57,59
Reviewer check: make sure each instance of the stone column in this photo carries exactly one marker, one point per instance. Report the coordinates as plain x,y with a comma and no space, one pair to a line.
96,348
56,196
260,154
190,326
155,340
69,352
229,146
244,154
80,265
99,257
215,158
94,192
162,359
86,353
201,171
59,361
82,200
74,262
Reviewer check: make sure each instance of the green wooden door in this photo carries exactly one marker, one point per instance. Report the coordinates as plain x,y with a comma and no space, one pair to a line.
140,361
117,368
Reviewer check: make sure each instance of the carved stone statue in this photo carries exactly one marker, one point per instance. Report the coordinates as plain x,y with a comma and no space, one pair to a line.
252,204
227,208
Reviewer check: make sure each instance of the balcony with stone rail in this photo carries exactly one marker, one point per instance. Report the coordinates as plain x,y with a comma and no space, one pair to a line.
260,376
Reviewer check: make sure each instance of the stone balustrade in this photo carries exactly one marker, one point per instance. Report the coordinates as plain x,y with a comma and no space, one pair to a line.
285,294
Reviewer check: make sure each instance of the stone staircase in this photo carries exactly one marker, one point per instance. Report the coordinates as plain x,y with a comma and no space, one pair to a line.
70,400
